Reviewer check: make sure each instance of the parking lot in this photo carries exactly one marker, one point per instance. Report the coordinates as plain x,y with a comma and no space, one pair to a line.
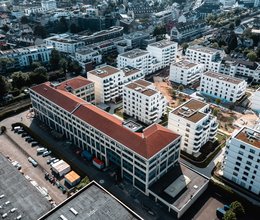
17,149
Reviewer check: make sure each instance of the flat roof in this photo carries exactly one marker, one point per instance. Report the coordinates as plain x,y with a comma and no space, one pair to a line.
134,53
186,193
162,43
190,110
184,64
128,70
223,77
104,71
72,176
141,86
21,194
92,202
249,136
203,49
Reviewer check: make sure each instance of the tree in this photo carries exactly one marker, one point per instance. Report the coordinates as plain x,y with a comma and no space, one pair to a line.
218,101
230,215
215,112
35,65
55,59
62,25
39,75
237,21
73,66
74,28
5,28
64,65
215,45
180,88
5,64
24,20
173,93
40,31
252,56
20,79
184,48
237,208
3,86
159,30
231,26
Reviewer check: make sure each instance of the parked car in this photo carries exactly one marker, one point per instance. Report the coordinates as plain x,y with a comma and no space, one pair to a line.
24,134
29,139
17,165
46,153
34,143
55,161
51,160
32,161
20,131
40,150
220,213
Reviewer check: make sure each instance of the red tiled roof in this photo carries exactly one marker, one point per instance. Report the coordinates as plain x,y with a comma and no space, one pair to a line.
74,83
147,144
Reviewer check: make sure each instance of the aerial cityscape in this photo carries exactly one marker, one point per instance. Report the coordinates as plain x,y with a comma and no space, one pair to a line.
130,109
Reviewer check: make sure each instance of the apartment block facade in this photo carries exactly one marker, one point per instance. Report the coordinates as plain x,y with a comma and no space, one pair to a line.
27,55
185,72
164,51
242,159
210,57
109,81
255,101
226,88
143,102
79,86
194,122
143,157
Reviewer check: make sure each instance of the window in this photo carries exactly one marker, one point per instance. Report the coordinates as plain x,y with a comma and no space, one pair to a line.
239,158
236,168
252,151
235,174
242,147
248,163
250,157
244,178
247,168
238,164
245,173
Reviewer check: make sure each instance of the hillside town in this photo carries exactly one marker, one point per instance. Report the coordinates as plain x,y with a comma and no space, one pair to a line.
130,109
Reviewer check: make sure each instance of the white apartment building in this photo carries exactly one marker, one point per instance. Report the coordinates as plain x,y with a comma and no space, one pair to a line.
226,88
255,101
136,58
185,72
242,159
79,86
164,51
27,55
85,54
194,122
109,81
240,68
142,157
210,57
64,43
143,102
49,4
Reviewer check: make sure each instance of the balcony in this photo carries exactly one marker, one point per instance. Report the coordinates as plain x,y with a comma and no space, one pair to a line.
206,124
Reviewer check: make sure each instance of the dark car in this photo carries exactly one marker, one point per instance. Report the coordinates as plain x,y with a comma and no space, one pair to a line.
34,143
30,140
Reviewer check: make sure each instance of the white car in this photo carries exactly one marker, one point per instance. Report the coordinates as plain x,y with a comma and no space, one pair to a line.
46,153
17,165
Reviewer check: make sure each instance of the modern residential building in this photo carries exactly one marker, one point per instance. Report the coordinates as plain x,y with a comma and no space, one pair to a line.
188,31
210,57
240,68
136,58
226,88
194,122
93,201
65,43
27,55
108,83
185,72
79,86
143,102
85,55
49,4
164,51
242,159
143,157
255,101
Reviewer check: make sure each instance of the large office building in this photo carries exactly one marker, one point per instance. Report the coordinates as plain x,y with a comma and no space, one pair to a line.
185,72
164,51
143,102
210,57
143,157
242,159
26,56
194,122
226,88
109,81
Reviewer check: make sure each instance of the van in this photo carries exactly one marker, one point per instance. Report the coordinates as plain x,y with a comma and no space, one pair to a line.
40,150
220,213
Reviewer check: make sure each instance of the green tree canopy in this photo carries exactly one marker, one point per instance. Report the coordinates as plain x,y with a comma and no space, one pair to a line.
40,31
55,59
230,215
39,75
20,79
24,20
63,65
3,86
237,208
252,56
217,101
